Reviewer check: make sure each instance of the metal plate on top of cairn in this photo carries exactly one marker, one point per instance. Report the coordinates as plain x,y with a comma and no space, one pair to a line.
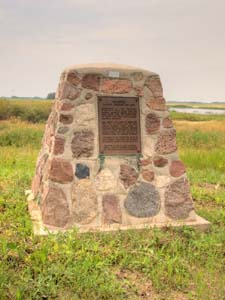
119,125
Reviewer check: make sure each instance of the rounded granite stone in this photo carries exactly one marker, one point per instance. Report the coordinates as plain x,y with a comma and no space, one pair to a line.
143,201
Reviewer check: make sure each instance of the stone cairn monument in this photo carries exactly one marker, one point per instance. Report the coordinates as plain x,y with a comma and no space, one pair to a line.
109,156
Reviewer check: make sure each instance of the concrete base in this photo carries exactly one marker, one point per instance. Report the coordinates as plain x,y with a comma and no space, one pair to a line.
41,229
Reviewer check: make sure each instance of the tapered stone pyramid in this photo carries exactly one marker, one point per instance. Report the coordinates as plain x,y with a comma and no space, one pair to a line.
109,155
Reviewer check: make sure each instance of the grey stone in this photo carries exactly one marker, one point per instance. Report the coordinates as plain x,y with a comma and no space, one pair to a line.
143,201
63,130
82,171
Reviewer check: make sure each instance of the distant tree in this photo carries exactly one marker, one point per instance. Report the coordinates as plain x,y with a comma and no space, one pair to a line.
51,96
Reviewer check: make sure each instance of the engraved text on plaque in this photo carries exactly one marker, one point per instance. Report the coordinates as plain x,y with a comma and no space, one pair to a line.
119,125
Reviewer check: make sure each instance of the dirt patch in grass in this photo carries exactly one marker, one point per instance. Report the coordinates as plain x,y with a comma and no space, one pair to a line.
140,288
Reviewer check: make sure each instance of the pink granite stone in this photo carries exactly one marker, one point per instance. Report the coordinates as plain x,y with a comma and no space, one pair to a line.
54,207
117,86
59,145
128,175
166,142
91,81
177,168
60,170
167,123
111,209
158,103
178,202
152,123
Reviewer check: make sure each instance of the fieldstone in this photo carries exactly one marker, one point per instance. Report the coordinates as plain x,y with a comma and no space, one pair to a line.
58,93
68,91
66,119
105,180
51,123
84,113
158,103
73,78
91,81
152,123
147,175
60,170
178,202
36,184
137,76
82,144
54,207
167,123
111,209
63,76
41,172
166,142
41,163
63,130
45,171
82,171
84,202
66,106
47,137
154,84
116,86
88,96
143,201
177,168
128,175
60,86
145,162
160,161
50,120
59,145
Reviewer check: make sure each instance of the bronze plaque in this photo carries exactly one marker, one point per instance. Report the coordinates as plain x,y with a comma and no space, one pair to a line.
119,125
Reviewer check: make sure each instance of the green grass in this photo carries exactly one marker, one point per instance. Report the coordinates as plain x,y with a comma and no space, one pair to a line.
17,133
164,264
195,117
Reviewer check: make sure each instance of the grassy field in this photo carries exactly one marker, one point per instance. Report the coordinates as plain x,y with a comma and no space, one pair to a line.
197,105
27,110
172,264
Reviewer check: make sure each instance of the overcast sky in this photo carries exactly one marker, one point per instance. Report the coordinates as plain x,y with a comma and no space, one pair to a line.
182,40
